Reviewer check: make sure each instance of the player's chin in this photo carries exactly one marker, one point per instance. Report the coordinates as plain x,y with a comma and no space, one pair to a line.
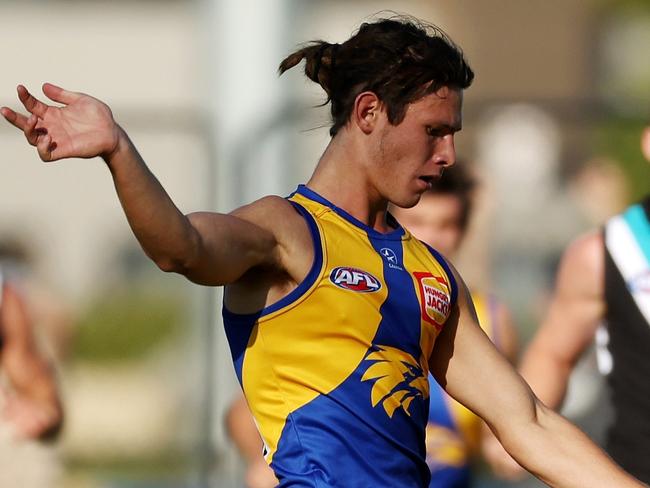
408,200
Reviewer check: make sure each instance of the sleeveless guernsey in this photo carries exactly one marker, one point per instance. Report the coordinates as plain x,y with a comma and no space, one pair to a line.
627,294
336,372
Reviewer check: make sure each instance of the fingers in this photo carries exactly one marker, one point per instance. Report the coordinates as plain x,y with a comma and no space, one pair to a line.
30,129
34,132
31,103
45,146
58,94
26,124
36,136
17,120
35,106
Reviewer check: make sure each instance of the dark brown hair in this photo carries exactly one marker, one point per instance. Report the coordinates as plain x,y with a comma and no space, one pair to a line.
400,59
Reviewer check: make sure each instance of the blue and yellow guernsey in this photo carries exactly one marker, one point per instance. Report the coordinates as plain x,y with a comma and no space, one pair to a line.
336,372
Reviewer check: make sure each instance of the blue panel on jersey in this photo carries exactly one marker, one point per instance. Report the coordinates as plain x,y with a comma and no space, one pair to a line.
451,477
350,436
238,331
439,410
400,324
636,218
351,442
400,312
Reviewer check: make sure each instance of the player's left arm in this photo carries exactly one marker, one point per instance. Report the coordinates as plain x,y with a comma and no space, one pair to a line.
507,342
466,363
33,404
508,338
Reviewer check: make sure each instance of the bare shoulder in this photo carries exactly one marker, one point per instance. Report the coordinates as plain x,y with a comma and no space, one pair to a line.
584,259
574,313
278,216
269,207
587,249
579,297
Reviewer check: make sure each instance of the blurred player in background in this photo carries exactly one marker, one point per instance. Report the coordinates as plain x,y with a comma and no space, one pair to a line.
603,290
243,432
30,404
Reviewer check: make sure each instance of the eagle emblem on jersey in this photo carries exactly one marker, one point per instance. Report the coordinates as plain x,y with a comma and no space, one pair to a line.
398,379
435,298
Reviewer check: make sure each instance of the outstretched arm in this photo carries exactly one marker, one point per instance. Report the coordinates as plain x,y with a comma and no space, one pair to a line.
208,248
576,309
508,344
501,463
32,405
469,367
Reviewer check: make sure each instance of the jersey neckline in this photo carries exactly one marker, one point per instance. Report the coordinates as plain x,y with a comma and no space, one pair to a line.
395,235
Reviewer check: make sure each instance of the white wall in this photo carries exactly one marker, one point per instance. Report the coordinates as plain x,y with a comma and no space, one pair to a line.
142,59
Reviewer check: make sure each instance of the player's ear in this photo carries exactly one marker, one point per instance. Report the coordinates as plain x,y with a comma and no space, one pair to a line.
366,111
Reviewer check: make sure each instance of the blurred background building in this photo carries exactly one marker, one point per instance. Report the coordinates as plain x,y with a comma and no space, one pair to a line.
551,122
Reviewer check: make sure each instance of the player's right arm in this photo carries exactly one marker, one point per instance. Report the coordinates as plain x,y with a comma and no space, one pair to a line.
208,248
575,312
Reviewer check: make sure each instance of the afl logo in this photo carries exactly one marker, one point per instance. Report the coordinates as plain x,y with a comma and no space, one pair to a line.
354,279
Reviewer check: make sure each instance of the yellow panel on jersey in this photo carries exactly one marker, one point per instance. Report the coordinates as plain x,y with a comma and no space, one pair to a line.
336,372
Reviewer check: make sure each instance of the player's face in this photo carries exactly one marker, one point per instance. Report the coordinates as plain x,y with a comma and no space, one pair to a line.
436,220
411,154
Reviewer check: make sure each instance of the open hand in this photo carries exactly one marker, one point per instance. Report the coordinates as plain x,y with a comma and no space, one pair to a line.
82,128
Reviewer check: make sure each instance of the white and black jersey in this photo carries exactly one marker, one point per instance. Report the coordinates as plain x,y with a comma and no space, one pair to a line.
627,296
